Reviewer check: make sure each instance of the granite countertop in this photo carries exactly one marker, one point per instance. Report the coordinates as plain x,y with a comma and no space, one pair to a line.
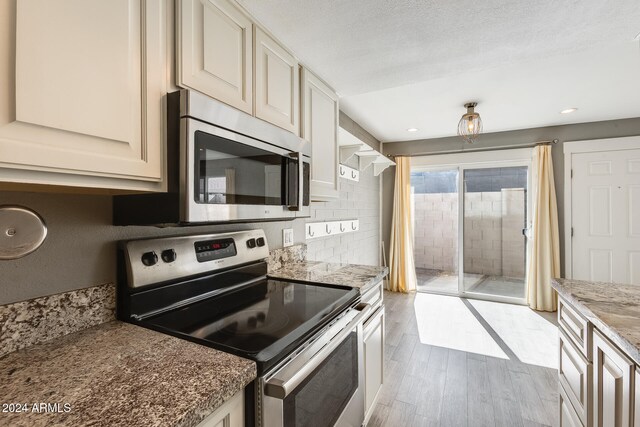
353,275
612,308
119,374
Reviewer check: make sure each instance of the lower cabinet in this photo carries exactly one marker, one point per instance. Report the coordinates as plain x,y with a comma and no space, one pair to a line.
230,414
568,415
613,395
575,375
373,360
637,410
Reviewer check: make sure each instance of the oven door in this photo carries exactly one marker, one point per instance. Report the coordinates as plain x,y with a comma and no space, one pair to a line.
323,385
229,176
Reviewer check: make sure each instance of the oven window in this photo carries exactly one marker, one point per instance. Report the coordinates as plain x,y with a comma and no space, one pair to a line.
229,172
321,398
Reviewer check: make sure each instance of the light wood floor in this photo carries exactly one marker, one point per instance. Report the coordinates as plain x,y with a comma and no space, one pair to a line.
429,385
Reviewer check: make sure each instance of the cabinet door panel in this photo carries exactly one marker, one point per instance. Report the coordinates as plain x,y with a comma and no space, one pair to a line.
374,359
568,416
612,392
320,127
277,83
637,400
215,53
574,372
89,80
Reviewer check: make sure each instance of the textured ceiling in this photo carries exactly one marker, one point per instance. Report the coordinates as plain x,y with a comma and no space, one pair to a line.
410,58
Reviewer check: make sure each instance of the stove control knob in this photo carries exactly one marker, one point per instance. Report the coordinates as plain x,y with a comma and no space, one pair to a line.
260,241
168,255
251,243
149,258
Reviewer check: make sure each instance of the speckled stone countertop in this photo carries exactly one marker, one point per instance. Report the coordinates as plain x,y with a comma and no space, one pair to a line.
353,275
118,374
612,308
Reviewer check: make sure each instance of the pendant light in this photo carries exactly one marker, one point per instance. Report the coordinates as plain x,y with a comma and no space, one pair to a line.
470,124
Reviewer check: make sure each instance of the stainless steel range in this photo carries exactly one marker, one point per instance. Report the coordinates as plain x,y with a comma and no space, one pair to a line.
213,289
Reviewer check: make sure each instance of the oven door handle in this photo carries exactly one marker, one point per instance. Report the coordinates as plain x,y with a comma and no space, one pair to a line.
300,193
280,387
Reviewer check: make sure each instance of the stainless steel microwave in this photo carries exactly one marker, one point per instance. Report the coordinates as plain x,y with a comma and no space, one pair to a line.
223,165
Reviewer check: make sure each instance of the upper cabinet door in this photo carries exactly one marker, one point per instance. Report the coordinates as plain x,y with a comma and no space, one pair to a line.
214,51
320,127
83,82
277,83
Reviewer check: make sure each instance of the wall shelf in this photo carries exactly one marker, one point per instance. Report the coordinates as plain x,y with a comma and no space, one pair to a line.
351,146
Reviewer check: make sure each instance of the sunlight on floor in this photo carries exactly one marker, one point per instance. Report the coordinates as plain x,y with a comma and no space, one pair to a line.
493,329
531,336
446,321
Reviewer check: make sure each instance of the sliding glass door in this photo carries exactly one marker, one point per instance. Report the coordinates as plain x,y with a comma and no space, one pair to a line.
471,215
494,241
435,229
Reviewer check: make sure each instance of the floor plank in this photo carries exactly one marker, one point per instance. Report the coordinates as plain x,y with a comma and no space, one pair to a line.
429,385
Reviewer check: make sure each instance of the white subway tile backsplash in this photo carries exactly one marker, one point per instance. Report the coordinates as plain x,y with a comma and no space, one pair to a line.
357,200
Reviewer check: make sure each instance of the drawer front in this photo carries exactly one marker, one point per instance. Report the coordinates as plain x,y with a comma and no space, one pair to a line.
576,327
568,416
373,296
575,374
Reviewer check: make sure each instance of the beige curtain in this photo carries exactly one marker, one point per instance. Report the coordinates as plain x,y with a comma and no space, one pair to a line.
402,277
544,262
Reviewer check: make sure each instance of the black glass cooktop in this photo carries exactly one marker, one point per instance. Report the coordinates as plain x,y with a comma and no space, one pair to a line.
263,321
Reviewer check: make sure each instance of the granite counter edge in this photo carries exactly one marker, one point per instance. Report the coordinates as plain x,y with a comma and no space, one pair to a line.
612,334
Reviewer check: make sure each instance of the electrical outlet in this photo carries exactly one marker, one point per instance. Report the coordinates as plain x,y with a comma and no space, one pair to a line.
287,237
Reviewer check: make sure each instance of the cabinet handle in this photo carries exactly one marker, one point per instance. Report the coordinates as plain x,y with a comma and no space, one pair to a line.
311,234
342,171
327,228
342,229
353,226
353,174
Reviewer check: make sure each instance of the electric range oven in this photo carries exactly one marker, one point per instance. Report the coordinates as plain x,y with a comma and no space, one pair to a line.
306,340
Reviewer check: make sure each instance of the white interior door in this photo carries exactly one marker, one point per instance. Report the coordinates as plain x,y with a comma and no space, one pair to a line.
605,216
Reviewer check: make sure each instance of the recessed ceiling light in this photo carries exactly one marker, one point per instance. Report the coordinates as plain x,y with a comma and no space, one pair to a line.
412,130
568,111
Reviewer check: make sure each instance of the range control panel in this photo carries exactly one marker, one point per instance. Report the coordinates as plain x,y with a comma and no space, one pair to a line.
210,250
153,261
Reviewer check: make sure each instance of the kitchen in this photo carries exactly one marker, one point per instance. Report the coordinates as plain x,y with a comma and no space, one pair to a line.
198,214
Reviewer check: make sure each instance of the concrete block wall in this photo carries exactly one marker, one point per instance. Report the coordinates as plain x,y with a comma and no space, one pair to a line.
513,242
493,241
435,230
358,200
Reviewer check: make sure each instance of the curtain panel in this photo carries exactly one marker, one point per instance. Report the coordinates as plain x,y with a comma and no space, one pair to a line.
402,270
544,262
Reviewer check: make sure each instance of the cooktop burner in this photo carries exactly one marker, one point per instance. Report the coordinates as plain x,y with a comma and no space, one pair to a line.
259,321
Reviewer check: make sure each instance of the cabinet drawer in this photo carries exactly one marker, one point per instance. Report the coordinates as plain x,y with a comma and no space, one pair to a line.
568,416
575,374
576,327
373,296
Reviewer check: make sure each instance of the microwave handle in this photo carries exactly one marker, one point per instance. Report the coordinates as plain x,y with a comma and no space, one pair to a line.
300,193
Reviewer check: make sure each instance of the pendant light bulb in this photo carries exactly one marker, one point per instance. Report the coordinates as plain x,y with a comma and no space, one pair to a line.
470,124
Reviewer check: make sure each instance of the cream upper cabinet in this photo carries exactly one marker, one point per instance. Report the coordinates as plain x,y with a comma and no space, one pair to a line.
320,127
277,83
214,51
612,379
83,84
